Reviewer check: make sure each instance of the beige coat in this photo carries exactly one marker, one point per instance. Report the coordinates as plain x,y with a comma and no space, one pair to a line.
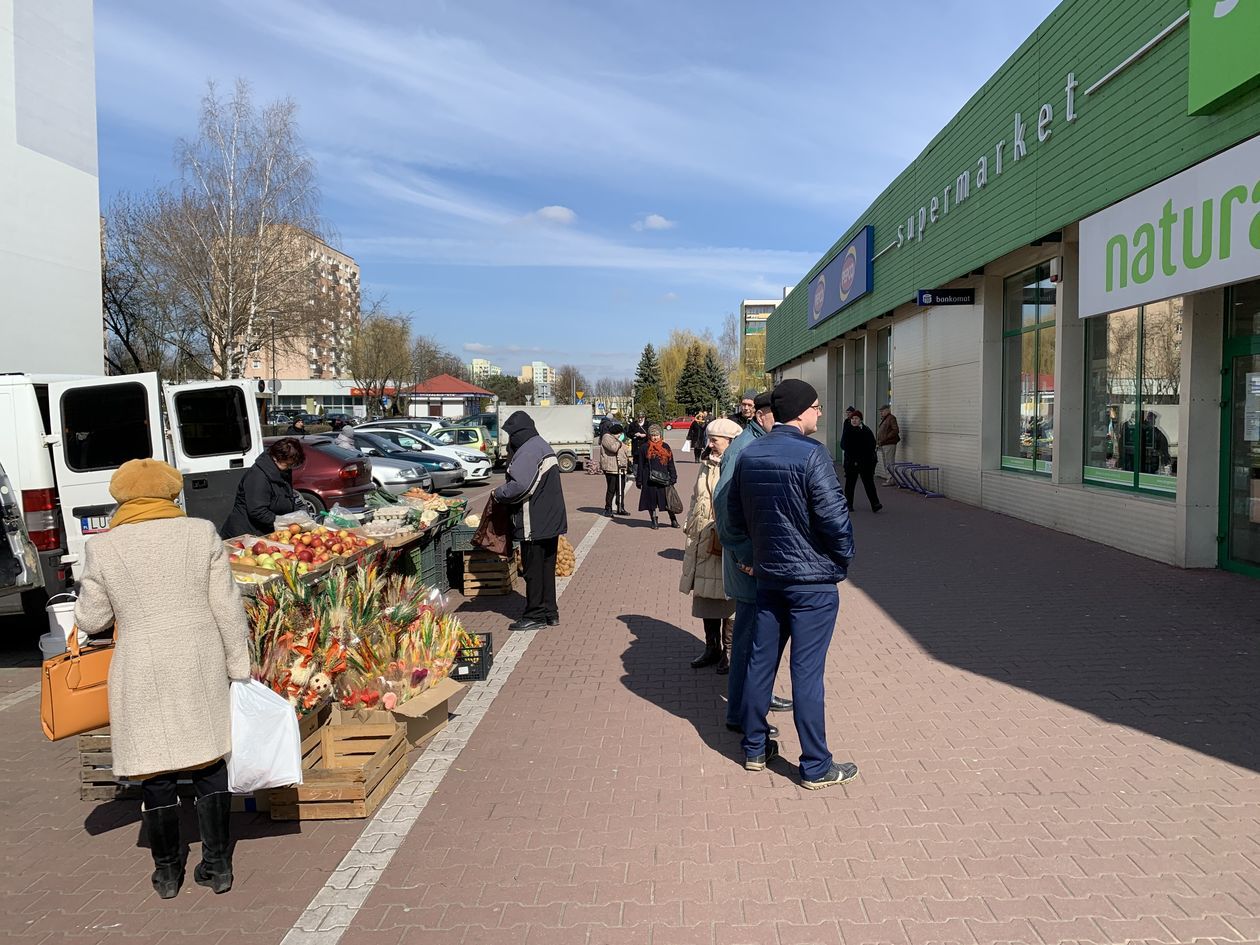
182,635
702,570
613,455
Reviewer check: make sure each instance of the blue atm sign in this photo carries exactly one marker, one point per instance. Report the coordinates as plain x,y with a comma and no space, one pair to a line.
844,280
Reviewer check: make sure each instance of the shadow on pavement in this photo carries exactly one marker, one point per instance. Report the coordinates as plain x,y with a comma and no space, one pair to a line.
1170,652
657,670
672,554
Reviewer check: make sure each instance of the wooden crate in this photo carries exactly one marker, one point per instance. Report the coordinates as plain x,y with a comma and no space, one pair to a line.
96,760
353,771
486,574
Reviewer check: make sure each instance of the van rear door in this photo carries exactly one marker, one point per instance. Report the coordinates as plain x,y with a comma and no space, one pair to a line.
19,561
98,424
215,435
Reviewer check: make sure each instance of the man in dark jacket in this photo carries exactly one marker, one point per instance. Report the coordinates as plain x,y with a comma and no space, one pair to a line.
539,518
785,498
296,428
747,407
636,435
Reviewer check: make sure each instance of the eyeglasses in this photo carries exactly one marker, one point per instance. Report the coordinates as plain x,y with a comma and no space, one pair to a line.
817,407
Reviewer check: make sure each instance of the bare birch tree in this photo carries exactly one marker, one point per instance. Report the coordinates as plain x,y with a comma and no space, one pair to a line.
380,356
231,249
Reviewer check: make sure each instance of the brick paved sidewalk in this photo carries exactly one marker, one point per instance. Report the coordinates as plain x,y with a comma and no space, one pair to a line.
1037,766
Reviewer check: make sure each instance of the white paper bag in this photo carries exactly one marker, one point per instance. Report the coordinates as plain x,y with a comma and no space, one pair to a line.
686,446
266,744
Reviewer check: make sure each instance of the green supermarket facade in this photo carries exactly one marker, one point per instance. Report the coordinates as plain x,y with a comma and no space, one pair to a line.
1060,297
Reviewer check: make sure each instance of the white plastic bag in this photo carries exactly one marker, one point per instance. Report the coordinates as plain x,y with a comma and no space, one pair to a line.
266,745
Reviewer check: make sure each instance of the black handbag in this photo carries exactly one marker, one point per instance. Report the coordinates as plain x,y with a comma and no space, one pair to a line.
658,478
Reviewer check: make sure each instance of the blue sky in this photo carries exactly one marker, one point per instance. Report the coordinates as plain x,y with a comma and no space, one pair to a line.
561,179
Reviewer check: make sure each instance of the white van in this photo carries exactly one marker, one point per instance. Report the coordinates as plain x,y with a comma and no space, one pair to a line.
62,438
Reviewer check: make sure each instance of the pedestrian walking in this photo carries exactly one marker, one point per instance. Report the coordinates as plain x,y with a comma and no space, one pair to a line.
747,407
702,558
533,492
737,580
887,436
162,580
266,490
613,461
859,460
655,475
696,435
784,497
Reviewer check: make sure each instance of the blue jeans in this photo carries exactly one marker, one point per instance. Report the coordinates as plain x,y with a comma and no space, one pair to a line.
805,614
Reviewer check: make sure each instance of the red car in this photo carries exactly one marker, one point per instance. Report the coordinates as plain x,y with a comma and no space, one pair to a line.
331,475
680,423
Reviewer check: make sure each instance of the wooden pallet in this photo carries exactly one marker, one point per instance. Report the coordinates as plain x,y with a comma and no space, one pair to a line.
486,574
356,767
96,763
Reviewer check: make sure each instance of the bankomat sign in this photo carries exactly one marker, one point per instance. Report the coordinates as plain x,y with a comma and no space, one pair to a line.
1223,59
1197,230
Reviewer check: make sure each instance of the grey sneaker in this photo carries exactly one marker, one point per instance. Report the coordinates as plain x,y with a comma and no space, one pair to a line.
841,773
759,762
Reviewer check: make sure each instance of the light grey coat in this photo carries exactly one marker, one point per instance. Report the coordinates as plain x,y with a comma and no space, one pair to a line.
182,635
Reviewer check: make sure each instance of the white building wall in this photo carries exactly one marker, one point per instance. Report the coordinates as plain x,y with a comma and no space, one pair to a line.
936,393
50,313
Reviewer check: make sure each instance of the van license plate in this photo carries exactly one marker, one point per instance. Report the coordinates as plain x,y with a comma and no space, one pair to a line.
94,525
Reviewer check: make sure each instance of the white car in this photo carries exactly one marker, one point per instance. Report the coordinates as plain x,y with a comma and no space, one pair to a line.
476,464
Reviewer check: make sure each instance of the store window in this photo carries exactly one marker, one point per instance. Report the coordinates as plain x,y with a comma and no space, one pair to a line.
883,367
1133,362
859,375
1029,309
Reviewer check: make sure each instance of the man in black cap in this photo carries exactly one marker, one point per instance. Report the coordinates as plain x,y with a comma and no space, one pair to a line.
747,407
786,501
532,490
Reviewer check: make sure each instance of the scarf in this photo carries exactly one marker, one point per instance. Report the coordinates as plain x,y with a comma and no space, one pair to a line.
145,509
659,451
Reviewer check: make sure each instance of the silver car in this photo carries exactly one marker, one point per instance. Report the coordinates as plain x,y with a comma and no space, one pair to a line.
476,464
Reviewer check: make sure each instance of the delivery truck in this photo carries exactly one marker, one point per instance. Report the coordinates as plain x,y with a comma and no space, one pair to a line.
567,429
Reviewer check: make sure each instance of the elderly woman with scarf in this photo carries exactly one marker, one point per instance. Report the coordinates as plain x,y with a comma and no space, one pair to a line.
162,580
654,474
702,560
538,518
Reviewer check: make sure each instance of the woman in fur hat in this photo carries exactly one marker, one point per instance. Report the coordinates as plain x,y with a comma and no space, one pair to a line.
163,582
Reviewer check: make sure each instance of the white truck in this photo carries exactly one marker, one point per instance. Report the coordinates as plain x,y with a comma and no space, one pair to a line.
567,429
62,438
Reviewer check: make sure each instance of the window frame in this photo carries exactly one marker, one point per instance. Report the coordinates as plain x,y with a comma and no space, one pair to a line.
1040,272
1152,484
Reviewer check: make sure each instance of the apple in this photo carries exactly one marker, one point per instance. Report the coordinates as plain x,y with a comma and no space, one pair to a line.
295,529
307,539
259,548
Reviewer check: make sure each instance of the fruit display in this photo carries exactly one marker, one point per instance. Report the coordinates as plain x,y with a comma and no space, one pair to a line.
321,539
431,502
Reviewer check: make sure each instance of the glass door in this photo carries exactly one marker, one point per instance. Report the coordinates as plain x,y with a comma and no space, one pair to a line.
1241,474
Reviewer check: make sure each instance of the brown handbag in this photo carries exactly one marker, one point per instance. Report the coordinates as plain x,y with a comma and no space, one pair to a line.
74,696
493,534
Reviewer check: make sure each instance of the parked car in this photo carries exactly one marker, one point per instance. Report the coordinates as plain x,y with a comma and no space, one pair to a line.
423,424
331,475
278,417
19,559
488,420
679,423
396,474
475,463
445,470
339,420
470,437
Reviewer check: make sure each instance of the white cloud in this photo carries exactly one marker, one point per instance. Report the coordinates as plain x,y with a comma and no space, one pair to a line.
476,347
669,297
556,214
653,221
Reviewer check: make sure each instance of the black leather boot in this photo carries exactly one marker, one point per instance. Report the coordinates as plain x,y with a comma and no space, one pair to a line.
162,827
655,523
214,812
712,648
673,521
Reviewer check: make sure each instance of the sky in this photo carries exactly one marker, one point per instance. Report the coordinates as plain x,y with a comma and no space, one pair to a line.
564,180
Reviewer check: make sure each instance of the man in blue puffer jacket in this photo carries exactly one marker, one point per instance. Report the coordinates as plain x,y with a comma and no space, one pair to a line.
785,498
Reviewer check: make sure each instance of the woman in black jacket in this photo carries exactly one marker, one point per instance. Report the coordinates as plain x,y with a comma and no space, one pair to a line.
266,490
859,459
656,462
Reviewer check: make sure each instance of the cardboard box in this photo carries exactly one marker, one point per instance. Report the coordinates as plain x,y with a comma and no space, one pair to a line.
425,715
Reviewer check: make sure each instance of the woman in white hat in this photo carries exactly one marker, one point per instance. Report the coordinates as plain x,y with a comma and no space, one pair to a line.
702,561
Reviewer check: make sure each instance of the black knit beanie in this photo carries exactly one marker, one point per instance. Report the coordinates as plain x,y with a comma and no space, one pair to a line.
762,401
790,399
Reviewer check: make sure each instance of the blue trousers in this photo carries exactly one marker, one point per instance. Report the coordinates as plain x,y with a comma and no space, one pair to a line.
806,615
741,646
